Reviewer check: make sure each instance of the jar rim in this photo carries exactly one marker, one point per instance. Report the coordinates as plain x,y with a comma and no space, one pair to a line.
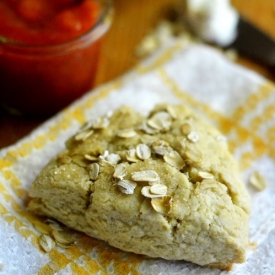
96,31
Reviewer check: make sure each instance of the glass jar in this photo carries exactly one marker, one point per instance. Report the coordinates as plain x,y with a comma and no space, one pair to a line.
39,80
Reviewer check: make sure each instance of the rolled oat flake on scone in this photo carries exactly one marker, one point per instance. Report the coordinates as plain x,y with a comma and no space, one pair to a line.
197,208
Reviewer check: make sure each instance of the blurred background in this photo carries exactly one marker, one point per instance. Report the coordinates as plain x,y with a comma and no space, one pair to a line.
123,46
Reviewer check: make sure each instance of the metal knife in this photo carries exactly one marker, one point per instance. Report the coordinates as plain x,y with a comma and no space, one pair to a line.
253,43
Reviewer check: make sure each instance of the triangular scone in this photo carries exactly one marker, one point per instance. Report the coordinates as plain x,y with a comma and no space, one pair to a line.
163,186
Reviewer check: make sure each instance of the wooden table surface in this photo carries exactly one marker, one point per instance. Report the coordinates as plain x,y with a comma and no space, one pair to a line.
132,21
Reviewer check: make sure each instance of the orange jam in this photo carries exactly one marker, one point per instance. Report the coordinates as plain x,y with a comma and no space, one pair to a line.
49,52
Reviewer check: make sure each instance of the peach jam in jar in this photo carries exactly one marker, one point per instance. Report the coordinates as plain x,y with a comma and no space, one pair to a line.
49,52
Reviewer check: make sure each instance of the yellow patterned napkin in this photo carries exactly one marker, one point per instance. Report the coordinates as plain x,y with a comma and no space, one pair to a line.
237,101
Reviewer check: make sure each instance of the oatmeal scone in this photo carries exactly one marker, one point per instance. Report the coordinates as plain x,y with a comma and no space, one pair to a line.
164,186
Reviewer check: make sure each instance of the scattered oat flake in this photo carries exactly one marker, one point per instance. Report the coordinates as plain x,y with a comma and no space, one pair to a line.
83,135
46,242
127,186
208,183
143,151
257,180
193,136
126,133
90,157
172,111
161,147
145,175
162,205
42,227
93,170
158,189
105,154
186,128
113,159
253,245
145,191
103,158
160,121
54,225
147,129
131,155
174,159
193,155
120,171
205,175
62,239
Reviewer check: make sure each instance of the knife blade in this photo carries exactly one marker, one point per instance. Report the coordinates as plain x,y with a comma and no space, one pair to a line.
253,43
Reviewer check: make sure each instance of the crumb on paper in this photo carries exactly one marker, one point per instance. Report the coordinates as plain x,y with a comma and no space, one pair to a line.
157,37
52,234
170,26
231,54
1,267
257,180
253,245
